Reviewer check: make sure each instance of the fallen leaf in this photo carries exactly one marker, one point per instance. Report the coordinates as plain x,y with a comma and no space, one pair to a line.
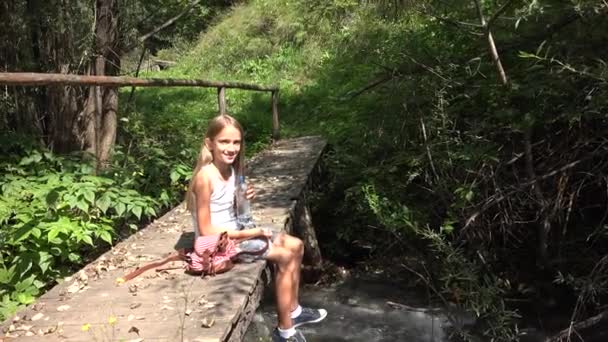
23,327
38,306
83,277
134,306
37,316
63,308
50,330
134,329
207,323
209,305
74,287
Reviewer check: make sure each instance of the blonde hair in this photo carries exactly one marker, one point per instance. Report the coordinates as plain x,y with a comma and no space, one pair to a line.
205,157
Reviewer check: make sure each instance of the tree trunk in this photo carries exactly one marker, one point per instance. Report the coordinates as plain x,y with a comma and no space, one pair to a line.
55,108
100,111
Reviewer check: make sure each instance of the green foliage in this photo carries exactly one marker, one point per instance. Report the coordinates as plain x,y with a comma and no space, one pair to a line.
53,213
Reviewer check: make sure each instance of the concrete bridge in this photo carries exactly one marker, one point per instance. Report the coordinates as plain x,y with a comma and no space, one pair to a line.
171,305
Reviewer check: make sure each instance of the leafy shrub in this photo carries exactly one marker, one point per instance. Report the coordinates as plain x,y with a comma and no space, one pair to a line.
53,213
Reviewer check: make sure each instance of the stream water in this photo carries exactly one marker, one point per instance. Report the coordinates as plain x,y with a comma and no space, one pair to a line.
359,310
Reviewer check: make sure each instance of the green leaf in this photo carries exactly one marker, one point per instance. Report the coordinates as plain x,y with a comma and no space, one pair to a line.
120,208
447,228
36,232
36,157
523,54
26,161
106,236
45,261
469,195
52,197
24,265
25,298
174,176
87,239
89,195
53,233
71,200
22,233
6,275
150,211
82,205
75,258
137,211
104,202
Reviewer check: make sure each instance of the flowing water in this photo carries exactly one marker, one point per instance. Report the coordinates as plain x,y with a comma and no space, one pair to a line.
359,310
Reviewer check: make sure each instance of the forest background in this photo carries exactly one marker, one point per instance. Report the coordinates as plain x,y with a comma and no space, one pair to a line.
468,138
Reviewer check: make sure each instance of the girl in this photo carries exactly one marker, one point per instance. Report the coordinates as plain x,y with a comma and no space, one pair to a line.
210,199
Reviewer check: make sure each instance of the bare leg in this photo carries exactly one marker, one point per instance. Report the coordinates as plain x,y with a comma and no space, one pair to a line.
285,267
296,246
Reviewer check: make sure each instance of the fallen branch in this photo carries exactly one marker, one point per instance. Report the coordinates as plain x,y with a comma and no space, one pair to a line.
411,308
591,321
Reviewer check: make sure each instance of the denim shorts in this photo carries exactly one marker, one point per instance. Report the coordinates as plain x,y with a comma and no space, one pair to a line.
255,244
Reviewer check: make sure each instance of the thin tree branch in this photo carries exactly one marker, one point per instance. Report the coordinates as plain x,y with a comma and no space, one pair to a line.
459,24
492,45
369,86
141,59
169,22
500,11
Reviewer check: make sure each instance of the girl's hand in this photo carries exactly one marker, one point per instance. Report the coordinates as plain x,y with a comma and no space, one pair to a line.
266,232
250,194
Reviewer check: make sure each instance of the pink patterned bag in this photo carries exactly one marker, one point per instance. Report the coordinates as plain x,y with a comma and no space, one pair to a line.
212,254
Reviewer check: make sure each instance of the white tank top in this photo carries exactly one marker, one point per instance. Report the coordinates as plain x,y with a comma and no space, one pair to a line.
221,204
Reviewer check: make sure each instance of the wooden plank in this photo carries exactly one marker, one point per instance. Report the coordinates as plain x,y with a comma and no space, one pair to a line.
31,79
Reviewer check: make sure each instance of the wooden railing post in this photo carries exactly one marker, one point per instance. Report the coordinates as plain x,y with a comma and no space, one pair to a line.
221,100
275,116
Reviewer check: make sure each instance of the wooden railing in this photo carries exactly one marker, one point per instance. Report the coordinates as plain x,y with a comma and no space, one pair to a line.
42,79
